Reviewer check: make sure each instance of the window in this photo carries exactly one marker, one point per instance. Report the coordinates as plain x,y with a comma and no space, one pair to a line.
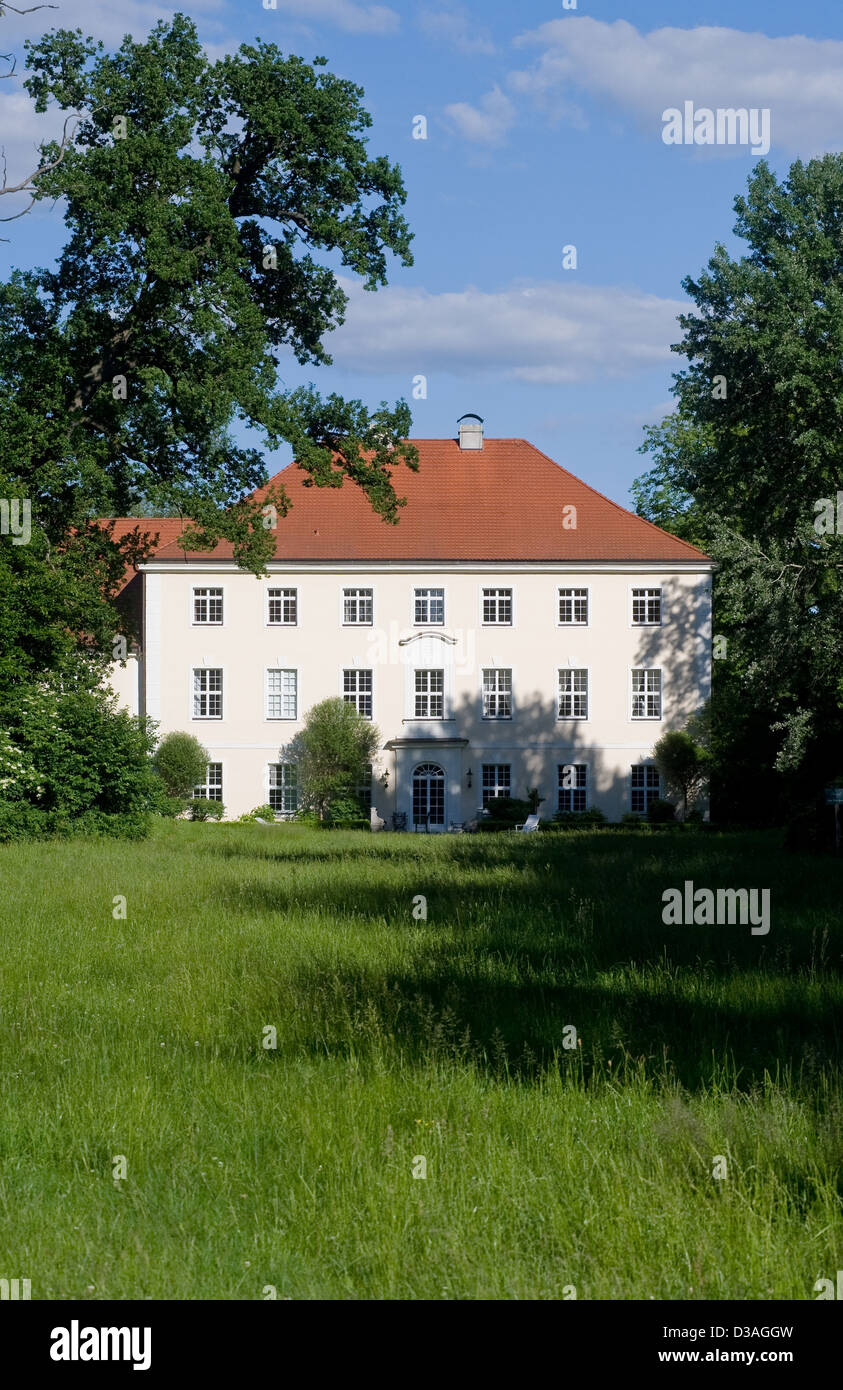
573,693
429,606
646,787
496,781
572,787
430,695
357,606
357,691
207,692
646,607
282,606
573,606
207,605
646,694
497,694
211,788
281,693
497,606
283,788
363,790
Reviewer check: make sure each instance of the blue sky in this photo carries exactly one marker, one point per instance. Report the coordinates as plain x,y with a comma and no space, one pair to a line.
544,130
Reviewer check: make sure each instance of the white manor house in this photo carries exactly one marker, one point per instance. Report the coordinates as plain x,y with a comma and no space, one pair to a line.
516,629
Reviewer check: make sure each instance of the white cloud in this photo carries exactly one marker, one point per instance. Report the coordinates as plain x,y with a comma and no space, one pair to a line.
799,79
354,18
457,28
486,124
541,333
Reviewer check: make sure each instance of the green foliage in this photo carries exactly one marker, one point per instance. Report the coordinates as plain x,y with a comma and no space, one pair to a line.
580,820
345,812
203,808
124,367
661,812
333,753
742,475
683,764
504,812
265,812
80,752
181,762
21,821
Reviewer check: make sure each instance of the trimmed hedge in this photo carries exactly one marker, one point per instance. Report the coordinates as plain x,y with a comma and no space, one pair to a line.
20,821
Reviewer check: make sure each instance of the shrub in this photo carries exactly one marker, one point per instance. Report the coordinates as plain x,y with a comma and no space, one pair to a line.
264,812
20,821
631,818
580,820
181,762
346,812
661,812
333,754
202,808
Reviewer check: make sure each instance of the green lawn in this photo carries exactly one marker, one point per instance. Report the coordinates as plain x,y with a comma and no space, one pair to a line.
400,1039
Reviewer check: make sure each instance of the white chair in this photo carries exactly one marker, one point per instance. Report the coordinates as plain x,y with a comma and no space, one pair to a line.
530,824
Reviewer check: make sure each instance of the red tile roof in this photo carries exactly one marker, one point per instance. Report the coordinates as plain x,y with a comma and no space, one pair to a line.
502,502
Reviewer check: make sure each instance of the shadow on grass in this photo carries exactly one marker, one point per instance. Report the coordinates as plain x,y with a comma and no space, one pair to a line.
525,939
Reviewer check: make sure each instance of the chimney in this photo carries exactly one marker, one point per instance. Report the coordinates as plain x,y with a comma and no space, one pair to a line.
471,431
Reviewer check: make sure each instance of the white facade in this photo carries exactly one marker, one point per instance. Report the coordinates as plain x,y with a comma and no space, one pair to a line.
516,690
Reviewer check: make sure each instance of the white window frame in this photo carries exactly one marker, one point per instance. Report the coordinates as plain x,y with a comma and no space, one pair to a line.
506,588
645,718
484,789
497,718
573,718
357,588
429,623
573,588
279,718
443,693
203,788
571,791
645,768
359,670
197,588
269,788
647,589
271,588
221,692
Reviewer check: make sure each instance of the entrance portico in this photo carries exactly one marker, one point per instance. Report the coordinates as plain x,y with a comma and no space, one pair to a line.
429,782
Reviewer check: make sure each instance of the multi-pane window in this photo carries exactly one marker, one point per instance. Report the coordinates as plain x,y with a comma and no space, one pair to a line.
282,606
207,692
647,607
363,790
357,606
573,606
572,786
357,691
496,781
429,606
281,694
646,693
573,693
207,606
646,787
211,788
497,694
430,694
497,606
283,788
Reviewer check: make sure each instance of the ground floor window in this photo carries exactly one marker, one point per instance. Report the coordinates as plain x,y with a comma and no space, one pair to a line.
283,788
429,795
496,781
646,787
363,790
211,788
572,786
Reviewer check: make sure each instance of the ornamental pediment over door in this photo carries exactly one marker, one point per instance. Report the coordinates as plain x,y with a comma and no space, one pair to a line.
428,633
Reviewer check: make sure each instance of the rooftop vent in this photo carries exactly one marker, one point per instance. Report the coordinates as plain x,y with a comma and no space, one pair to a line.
471,431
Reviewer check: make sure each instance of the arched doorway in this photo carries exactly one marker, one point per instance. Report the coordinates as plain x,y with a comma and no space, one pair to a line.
428,797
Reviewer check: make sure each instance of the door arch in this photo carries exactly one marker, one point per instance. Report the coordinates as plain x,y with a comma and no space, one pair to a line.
429,796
